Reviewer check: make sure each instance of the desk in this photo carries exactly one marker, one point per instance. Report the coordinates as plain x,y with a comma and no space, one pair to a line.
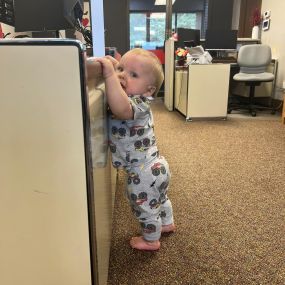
170,70
201,91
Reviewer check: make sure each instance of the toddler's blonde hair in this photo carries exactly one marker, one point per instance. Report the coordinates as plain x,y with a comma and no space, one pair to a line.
156,66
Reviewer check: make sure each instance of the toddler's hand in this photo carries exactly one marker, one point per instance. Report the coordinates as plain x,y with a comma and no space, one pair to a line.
113,60
108,64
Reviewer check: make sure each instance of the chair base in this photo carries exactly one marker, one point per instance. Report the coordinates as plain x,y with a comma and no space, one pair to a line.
250,105
251,108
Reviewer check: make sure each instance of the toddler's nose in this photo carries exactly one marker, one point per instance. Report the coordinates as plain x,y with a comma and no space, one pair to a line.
121,76
120,73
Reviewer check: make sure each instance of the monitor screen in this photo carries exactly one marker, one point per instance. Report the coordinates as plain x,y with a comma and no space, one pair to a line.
188,37
7,12
46,15
221,40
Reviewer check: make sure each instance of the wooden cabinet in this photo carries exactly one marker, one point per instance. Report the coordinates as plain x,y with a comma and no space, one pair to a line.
245,19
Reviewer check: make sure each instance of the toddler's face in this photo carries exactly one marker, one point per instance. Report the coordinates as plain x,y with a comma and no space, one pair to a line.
135,75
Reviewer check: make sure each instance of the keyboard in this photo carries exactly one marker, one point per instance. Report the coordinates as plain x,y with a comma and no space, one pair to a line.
224,59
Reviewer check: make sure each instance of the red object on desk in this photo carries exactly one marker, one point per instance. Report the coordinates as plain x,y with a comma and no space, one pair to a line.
85,22
160,54
1,33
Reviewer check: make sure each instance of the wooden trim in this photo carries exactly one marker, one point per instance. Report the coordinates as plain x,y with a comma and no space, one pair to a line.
245,19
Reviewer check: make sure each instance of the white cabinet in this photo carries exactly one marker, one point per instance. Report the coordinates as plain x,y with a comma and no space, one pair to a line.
201,91
169,74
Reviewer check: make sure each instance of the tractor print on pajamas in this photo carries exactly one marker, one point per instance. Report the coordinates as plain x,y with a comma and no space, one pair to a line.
133,160
136,212
139,130
158,168
117,163
153,204
162,198
138,100
112,147
149,228
140,199
155,154
142,145
162,186
133,177
118,132
162,214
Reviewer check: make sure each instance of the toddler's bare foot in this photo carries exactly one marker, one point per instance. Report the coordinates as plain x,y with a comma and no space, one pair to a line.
142,244
168,228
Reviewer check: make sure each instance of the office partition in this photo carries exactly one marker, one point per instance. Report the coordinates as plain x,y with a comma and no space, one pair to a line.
46,188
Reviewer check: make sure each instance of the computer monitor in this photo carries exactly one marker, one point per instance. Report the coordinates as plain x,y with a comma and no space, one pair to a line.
221,40
188,37
7,12
46,15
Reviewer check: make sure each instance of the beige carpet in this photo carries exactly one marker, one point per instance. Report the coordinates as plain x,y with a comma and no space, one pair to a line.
228,194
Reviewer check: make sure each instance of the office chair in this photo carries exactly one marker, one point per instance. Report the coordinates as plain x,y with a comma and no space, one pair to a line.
253,60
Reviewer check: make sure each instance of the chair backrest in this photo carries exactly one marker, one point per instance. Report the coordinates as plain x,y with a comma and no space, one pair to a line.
254,58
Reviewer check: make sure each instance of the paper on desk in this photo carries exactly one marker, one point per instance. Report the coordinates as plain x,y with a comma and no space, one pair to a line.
199,56
196,51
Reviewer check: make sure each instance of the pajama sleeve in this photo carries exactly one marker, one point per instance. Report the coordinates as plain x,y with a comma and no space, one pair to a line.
141,107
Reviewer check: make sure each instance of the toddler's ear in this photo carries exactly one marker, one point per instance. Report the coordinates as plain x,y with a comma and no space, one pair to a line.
151,89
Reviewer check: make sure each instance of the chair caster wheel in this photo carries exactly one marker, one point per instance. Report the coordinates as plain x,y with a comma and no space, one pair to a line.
253,114
229,111
273,112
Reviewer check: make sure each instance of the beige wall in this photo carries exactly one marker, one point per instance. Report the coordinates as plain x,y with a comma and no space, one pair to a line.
275,37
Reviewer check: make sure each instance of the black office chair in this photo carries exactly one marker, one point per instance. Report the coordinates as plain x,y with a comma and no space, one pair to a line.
253,61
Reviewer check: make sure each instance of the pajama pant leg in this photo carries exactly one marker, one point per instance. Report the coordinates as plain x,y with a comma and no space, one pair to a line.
166,212
147,193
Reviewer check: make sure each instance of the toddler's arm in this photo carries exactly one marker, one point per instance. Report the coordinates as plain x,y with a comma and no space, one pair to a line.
117,98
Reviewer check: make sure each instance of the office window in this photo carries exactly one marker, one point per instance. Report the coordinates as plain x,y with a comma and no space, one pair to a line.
147,30
157,29
137,29
185,20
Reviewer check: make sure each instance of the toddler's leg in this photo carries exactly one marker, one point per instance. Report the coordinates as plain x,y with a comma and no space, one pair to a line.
167,216
166,212
144,198
151,231
147,192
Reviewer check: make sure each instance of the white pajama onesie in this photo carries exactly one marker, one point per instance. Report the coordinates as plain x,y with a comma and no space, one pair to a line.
133,147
